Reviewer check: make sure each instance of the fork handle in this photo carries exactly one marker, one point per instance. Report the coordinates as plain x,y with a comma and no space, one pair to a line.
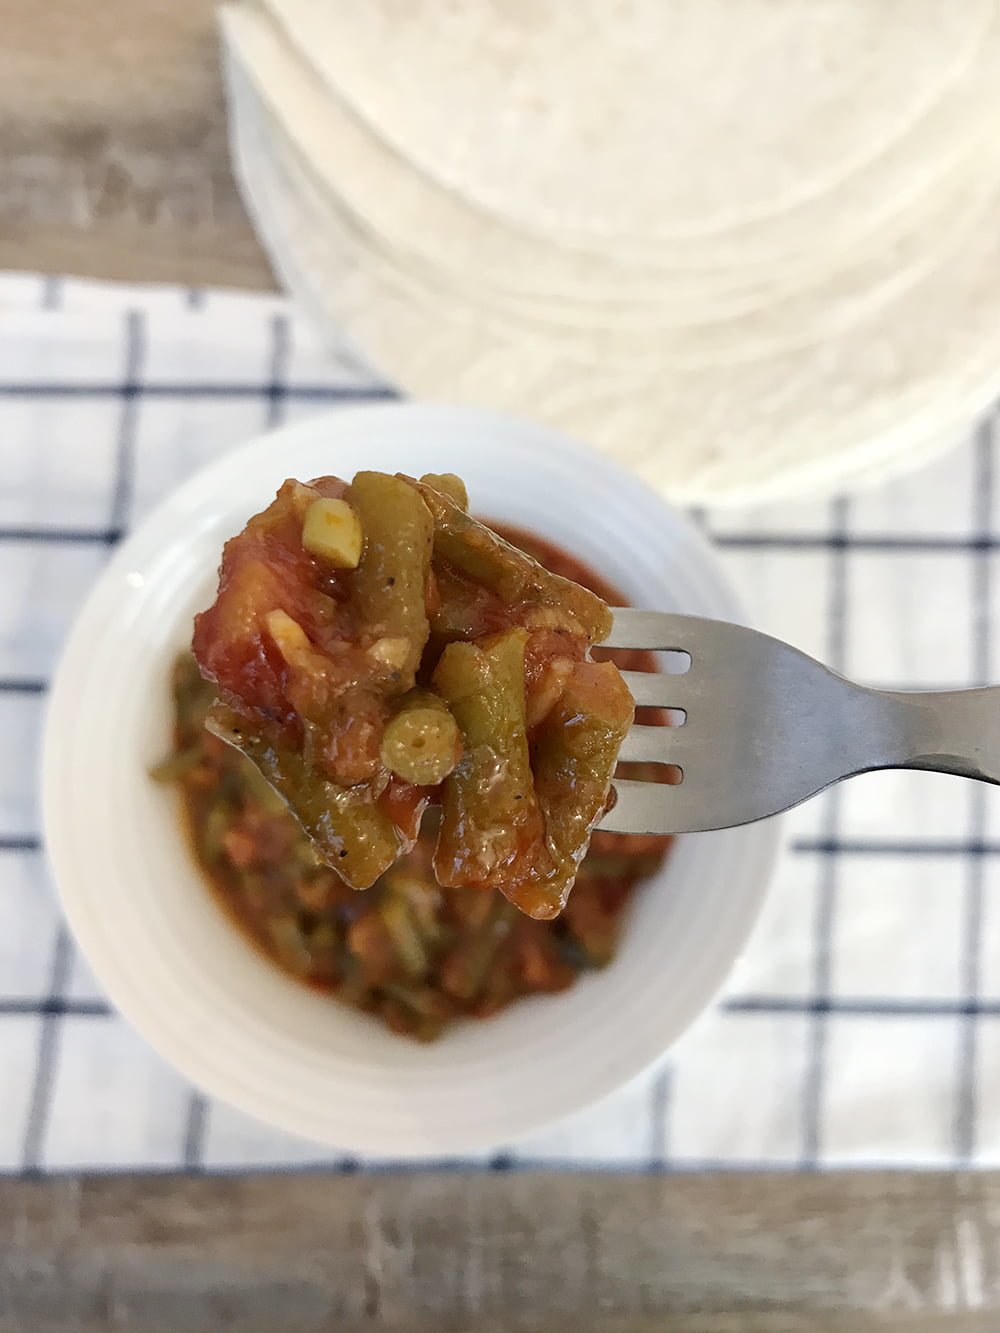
947,731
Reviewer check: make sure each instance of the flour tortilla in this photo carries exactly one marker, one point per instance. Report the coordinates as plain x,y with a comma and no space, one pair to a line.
861,466
511,271
645,121
795,320
703,437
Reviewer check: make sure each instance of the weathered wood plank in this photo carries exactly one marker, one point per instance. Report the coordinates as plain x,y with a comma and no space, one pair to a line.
113,158
511,1252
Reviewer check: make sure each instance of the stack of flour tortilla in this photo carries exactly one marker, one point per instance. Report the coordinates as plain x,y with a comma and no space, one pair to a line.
751,250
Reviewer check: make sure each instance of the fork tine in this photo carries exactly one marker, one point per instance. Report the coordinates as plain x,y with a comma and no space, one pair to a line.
656,745
648,629
642,745
650,807
660,689
767,727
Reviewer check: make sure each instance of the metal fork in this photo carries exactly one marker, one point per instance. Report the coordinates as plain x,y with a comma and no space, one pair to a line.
766,727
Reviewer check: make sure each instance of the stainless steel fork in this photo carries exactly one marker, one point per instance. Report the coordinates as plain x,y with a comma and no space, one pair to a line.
765,727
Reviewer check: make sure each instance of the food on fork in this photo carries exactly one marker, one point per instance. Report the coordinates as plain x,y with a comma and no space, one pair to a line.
376,649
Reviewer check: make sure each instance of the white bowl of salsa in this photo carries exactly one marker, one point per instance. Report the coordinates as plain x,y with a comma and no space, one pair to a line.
172,960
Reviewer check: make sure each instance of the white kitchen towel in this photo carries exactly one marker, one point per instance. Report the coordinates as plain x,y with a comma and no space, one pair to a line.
862,1026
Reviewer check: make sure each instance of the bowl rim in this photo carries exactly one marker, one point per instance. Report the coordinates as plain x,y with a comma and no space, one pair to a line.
184,504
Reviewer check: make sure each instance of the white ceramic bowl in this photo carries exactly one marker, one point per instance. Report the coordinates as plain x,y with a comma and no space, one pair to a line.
177,969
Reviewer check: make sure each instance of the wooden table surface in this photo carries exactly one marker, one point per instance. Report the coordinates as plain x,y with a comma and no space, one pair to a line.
113,164
502,1253
113,158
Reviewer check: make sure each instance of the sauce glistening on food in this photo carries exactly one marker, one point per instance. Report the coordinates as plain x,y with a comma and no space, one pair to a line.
376,649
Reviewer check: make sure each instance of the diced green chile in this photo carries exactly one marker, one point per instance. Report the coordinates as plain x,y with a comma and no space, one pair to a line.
352,834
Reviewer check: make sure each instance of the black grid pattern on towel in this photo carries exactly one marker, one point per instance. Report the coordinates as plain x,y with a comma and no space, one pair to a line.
823,856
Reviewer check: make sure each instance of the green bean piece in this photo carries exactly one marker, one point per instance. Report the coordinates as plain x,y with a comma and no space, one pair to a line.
489,815
418,1010
477,551
213,831
465,971
421,743
323,938
423,899
421,999
353,836
575,756
448,484
192,693
174,766
388,587
406,939
353,987
289,944
599,943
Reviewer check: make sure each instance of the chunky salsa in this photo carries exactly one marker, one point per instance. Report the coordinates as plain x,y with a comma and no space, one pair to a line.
376,649
412,952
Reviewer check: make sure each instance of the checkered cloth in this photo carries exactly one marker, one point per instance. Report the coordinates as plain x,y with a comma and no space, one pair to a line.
862,1025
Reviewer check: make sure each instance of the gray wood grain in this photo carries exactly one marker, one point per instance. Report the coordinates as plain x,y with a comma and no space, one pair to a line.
502,1252
113,156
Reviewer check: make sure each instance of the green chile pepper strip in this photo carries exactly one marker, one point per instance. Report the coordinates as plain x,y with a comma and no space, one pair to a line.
353,835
